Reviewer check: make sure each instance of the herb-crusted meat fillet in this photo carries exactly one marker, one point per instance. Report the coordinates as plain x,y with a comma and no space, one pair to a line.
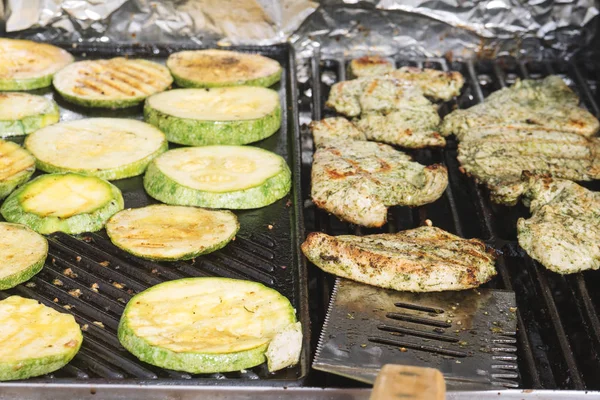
529,104
438,85
370,66
357,181
334,128
390,111
425,259
405,127
563,232
499,160
375,94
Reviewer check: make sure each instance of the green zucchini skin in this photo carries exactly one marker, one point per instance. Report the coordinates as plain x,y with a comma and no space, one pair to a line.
265,81
8,185
191,362
30,123
101,103
167,190
23,276
112,174
36,366
12,211
25,84
192,132
196,363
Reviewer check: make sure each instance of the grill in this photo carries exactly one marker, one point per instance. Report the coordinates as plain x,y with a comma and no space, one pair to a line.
559,326
92,279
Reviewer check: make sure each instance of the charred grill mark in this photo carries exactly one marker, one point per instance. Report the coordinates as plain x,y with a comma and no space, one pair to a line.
153,72
333,174
95,85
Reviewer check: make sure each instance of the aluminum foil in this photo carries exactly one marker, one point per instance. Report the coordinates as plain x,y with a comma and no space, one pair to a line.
458,28
152,21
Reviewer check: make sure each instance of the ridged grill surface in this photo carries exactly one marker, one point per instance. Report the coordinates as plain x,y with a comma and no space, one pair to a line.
89,277
559,327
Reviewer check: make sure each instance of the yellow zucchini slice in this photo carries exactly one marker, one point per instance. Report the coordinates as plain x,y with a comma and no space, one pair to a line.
22,254
170,233
109,148
28,65
205,325
114,83
36,340
219,68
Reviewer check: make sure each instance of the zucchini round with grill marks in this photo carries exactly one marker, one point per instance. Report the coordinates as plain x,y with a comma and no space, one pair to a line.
28,65
16,167
171,233
109,148
234,177
219,68
200,117
70,203
206,325
22,254
36,339
23,113
114,83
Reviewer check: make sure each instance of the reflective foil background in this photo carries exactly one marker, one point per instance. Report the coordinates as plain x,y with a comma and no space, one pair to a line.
456,28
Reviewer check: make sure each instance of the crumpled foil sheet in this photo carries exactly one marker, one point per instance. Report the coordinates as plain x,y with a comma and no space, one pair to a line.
258,22
415,28
456,28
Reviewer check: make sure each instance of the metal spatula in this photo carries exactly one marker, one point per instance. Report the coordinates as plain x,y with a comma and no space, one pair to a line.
468,335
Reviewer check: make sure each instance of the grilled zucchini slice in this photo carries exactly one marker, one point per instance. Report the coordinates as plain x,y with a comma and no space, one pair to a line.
70,203
109,148
28,65
204,325
200,117
22,254
114,83
235,177
220,68
23,113
171,233
16,167
36,339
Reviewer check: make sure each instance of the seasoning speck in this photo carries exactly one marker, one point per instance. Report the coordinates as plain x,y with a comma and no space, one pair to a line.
428,222
57,282
403,349
75,292
105,263
85,327
30,284
270,227
69,272
98,323
67,306
117,285
95,287
78,258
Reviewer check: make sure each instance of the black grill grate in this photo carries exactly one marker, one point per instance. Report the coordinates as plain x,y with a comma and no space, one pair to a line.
559,327
92,279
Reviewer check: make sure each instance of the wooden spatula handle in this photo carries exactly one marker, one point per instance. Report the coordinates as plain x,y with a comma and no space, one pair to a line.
396,382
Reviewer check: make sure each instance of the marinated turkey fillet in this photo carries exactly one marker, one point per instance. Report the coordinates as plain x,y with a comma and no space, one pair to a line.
357,181
563,232
499,159
547,104
438,85
425,259
389,111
